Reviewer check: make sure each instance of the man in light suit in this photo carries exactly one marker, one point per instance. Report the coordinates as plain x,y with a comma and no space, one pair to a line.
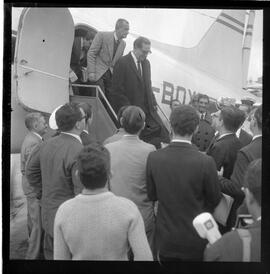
105,51
132,86
37,126
128,166
53,166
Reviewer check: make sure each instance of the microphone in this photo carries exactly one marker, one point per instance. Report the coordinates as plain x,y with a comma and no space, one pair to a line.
206,227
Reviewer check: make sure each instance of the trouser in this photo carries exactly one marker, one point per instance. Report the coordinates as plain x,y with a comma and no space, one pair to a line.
105,83
35,228
48,246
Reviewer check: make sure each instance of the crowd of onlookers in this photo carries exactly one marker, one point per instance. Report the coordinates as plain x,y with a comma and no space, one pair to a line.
127,200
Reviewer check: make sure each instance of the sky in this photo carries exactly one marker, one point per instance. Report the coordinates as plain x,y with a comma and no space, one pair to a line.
182,27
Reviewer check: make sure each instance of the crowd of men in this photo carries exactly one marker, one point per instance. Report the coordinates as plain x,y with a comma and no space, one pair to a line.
134,197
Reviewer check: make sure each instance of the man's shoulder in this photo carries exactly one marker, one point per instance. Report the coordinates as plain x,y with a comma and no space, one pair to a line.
228,246
30,140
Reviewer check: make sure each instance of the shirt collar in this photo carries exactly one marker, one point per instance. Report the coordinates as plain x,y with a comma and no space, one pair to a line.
178,140
225,134
259,218
74,135
134,57
237,133
256,136
86,131
37,135
115,37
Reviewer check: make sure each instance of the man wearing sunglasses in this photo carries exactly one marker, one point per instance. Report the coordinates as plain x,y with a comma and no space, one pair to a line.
131,85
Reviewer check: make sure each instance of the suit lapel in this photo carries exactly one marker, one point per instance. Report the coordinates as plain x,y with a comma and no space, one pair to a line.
119,51
132,64
111,44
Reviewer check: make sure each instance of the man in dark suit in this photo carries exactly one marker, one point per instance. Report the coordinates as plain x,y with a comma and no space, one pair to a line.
54,165
37,126
230,248
245,155
185,184
205,133
105,51
224,149
132,86
80,48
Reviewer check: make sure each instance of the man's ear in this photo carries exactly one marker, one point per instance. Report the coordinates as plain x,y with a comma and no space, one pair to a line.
121,121
78,125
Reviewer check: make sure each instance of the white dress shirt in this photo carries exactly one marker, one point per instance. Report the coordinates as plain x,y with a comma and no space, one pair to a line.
136,60
178,140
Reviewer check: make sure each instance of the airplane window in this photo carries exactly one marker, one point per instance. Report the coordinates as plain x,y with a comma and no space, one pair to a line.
13,48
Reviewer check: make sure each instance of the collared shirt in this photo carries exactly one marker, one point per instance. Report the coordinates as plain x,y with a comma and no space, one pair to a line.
136,60
202,115
37,135
225,134
181,141
237,133
74,135
115,37
256,136
86,131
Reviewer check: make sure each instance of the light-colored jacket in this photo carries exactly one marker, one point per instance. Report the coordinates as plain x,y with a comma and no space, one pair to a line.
128,168
100,55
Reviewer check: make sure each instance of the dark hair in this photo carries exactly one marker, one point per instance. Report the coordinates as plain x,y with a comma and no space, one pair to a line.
133,119
174,100
94,166
184,120
200,96
138,43
31,118
253,179
87,108
67,116
88,36
120,113
232,118
258,116
119,23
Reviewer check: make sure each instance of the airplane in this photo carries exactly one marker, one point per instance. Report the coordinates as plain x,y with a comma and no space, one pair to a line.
42,41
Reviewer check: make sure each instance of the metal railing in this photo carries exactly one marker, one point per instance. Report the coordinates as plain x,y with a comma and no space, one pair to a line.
98,91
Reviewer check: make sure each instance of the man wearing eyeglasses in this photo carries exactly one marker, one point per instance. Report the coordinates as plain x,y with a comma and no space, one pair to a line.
131,85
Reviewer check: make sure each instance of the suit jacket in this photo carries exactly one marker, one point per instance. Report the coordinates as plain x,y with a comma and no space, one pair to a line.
233,186
30,141
185,183
128,167
230,247
56,163
100,55
130,88
244,137
205,133
224,152
87,138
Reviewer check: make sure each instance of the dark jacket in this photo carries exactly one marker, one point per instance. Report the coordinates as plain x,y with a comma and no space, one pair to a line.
205,133
233,186
87,138
224,152
55,164
230,247
185,183
245,138
130,88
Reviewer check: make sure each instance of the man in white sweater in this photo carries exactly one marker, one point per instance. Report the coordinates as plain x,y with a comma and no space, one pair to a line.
96,224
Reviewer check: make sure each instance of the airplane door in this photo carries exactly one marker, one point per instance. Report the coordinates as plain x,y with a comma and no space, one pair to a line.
42,57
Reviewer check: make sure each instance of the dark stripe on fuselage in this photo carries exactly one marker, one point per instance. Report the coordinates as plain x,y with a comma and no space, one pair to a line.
230,26
232,19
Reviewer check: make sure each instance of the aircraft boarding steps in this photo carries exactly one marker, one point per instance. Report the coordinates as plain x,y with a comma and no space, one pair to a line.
104,122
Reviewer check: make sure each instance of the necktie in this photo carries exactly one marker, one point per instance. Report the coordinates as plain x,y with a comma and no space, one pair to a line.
202,116
116,43
139,68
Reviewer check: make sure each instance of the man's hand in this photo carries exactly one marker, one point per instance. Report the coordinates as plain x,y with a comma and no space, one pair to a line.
92,77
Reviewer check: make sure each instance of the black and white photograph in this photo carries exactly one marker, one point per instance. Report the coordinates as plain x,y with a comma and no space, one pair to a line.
136,134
